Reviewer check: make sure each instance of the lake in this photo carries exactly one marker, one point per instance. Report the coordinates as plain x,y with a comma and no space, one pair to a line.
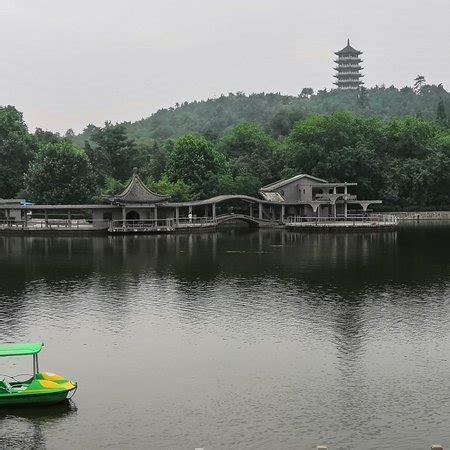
236,339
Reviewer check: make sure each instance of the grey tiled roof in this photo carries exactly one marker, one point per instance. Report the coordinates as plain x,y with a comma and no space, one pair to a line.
278,184
138,192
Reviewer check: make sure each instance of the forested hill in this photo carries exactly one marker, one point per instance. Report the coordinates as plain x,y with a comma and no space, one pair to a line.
276,113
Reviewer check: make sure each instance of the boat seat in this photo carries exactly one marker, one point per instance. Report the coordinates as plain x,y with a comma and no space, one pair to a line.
5,386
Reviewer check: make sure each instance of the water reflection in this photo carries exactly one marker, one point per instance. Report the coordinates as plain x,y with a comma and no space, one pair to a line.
22,427
340,324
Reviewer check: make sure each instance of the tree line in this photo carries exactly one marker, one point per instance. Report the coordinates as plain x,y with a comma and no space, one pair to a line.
404,161
276,113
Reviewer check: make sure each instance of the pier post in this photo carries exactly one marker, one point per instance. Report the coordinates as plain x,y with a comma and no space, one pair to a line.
124,217
282,213
214,211
177,215
69,218
345,200
46,218
251,209
26,219
156,216
260,211
8,221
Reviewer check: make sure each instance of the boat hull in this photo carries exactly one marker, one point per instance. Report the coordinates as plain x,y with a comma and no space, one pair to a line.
49,398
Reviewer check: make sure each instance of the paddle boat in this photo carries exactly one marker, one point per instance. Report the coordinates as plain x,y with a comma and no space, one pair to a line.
41,388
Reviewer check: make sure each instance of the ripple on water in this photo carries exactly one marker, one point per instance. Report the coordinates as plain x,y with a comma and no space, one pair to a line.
252,340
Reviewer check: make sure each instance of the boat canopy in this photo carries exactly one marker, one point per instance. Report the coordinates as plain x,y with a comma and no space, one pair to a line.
26,348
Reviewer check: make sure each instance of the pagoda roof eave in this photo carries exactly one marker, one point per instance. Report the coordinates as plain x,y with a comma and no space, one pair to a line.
341,61
137,193
348,75
345,52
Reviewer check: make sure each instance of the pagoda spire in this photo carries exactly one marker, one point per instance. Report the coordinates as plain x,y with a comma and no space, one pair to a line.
348,68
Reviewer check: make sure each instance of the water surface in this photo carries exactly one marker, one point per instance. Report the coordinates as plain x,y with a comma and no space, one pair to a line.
235,339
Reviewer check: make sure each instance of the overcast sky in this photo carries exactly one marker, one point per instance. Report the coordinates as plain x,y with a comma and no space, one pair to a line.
66,64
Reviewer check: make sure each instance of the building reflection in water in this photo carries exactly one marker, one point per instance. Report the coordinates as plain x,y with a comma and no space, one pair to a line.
318,270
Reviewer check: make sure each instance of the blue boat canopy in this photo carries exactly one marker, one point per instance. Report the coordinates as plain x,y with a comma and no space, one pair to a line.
26,348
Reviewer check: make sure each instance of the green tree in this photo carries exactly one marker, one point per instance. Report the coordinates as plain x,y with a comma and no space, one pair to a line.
275,113
363,101
60,174
16,149
151,158
179,191
113,153
69,134
339,147
46,137
195,161
419,82
110,187
441,113
306,92
252,152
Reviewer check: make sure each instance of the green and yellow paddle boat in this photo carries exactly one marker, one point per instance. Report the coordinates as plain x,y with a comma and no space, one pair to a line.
43,388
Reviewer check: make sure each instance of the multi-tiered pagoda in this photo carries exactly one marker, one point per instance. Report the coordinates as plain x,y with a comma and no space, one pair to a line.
348,68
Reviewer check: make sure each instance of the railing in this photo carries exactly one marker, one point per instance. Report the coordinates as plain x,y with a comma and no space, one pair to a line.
335,196
186,221
136,225
35,224
159,224
354,219
140,224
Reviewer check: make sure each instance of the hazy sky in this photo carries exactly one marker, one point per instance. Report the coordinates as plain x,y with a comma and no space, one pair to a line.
65,64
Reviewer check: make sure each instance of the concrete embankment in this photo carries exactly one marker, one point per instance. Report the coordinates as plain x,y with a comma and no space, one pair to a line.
422,215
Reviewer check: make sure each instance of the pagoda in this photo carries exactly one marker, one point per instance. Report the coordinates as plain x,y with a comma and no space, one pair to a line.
348,68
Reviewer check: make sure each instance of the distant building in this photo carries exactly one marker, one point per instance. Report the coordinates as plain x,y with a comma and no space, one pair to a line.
308,196
348,76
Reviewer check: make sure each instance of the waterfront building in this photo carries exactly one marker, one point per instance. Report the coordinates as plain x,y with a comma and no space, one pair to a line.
303,198
348,76
9,204
308,196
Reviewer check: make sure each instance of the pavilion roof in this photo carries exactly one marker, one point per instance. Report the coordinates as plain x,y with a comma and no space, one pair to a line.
137,192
